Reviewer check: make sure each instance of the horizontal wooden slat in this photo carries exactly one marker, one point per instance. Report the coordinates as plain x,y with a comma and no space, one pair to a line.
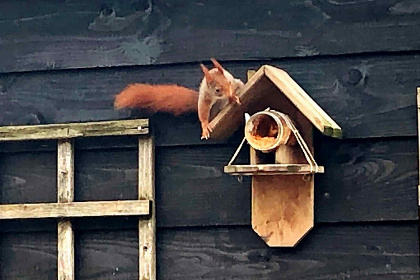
328,252
193,190
82,34
74,209
72,130
272,169
359,93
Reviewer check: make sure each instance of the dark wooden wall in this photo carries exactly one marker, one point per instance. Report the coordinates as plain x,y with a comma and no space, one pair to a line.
63,61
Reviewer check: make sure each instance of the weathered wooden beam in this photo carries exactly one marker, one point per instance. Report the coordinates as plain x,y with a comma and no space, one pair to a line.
65,248
73,130
75,209
147,225
65,194
418,135
65,170
271,169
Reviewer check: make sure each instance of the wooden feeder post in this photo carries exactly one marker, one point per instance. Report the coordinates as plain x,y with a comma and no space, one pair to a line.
282,165
282,205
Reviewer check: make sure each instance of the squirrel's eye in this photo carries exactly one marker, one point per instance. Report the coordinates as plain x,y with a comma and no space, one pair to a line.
217,90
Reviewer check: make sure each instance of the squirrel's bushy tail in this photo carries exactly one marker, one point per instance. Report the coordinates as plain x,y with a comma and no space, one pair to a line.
172,99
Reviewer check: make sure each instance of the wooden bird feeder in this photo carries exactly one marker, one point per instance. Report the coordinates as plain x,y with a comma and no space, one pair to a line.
282,164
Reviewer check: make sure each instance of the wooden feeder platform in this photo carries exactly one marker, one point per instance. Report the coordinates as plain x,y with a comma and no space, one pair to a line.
271,169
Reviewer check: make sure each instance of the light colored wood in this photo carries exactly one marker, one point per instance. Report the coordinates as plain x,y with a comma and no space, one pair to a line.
253,158
303,101
75,209
147,225
73,130
258,94
282,208
250,73
285,152
65,171
65,248
270,169
418,135
65,194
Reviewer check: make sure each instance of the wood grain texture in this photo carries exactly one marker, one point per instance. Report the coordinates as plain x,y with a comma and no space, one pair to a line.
28,177
328,252
65,248
373,252
357,171
65,194
418,127
75,209
384,169
147,224
29,255
112,33
271,169
282,207
368,96
65,170
73,130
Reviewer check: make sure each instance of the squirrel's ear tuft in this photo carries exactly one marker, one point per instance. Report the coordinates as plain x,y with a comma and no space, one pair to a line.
206,73
217,65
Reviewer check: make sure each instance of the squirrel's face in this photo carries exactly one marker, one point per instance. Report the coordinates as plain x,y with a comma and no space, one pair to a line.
219,85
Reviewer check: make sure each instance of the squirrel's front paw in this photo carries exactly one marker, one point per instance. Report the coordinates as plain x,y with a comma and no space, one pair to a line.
206,130
235,99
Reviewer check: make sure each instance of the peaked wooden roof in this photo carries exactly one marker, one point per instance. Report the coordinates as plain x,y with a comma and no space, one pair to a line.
260,92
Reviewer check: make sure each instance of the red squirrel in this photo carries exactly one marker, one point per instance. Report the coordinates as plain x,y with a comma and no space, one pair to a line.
218,86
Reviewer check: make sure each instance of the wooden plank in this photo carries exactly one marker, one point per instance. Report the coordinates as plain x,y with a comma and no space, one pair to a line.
270,169
65,194
359,93
73,130
35,258
282,207
114,33
74,209
328,252
418,127
147,225
190,182
65,248
304,103
65,171
360,251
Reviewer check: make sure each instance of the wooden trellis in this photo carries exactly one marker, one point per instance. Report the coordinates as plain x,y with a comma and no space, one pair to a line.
66,208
